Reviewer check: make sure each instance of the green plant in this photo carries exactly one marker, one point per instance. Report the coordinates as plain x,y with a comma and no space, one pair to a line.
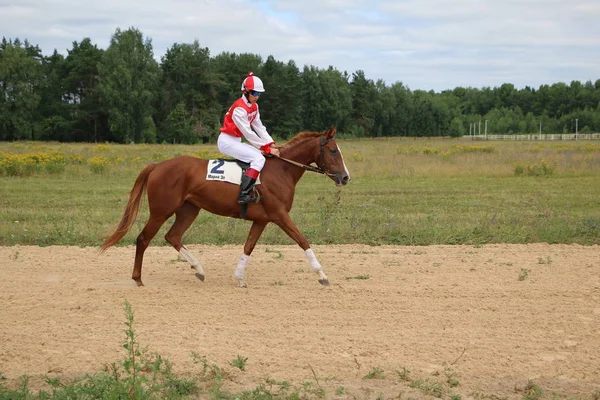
451,379
375,373
359,277
138,376
542,168
404,374
547,260
279,253
308,390
427,386
239,362
524,274
132,364
198,359
532,391
15,255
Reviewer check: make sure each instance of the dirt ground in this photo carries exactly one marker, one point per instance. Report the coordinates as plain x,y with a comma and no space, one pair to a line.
480,322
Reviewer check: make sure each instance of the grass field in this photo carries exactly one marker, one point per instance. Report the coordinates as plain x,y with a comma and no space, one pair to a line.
403,191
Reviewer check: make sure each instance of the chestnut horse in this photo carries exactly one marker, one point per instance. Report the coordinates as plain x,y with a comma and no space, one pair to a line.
178,186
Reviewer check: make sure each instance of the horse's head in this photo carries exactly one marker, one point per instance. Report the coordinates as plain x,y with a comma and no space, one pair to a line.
330,158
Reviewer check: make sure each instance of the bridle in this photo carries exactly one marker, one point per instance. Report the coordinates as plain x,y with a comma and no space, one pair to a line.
320,161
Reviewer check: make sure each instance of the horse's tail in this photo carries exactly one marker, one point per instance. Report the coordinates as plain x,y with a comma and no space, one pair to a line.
132,208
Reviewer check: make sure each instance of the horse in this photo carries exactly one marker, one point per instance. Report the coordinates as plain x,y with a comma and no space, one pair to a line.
179,186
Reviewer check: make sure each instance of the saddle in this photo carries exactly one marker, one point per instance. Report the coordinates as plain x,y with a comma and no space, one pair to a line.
228,170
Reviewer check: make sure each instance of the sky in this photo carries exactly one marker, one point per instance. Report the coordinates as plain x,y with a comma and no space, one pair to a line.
425,44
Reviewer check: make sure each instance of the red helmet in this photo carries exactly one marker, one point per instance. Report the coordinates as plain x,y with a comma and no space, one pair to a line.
253,83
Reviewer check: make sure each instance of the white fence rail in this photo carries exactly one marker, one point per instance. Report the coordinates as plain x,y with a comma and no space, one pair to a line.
535,136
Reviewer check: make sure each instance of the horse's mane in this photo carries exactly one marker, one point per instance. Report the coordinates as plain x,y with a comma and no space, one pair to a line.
300,137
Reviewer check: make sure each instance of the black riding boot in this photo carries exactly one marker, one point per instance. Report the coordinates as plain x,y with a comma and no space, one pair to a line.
246,192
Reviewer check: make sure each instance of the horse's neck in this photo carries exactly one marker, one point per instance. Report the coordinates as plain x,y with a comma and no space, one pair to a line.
303,153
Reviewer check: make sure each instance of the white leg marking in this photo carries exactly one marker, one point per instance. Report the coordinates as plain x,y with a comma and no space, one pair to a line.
239,271
312,259
315,265
192,260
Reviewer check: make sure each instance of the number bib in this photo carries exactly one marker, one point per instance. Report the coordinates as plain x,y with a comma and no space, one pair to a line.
226,171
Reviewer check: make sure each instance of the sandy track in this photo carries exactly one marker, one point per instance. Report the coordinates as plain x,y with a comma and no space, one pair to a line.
423,308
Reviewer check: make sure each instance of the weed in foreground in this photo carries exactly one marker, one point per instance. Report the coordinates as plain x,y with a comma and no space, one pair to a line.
532,391
428,386
15,255
138,376
451,379
375,373
279,253
524,274
359,277
239,362
404,375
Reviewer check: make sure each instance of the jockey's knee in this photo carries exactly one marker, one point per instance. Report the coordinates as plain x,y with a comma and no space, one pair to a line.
258,163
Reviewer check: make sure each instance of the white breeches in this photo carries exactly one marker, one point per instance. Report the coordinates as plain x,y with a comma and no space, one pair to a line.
233,147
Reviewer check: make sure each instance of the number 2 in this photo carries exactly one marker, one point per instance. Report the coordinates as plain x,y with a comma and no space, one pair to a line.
218,164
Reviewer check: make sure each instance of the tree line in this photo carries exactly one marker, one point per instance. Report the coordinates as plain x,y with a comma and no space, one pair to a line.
122,94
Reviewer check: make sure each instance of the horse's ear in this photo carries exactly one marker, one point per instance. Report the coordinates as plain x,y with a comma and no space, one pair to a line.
331,132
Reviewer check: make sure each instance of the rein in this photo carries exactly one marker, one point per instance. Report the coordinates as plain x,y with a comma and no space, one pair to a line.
306,167
310,167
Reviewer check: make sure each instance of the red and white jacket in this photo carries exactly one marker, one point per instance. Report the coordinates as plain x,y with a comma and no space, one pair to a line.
243,119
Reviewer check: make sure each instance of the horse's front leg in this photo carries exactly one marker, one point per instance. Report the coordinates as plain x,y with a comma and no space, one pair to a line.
256,230
289,227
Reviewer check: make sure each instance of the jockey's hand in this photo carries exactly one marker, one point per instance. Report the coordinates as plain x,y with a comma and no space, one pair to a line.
275,151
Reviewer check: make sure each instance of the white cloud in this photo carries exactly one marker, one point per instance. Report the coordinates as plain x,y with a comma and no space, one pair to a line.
426,44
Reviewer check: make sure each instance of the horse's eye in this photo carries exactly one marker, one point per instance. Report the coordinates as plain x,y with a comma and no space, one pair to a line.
333,151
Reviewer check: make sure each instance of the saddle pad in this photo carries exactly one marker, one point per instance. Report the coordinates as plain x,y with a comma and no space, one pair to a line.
226,171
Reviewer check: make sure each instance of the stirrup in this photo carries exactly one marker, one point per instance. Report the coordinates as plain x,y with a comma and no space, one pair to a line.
247,199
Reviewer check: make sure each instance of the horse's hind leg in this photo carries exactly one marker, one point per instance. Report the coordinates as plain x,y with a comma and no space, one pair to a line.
184,216
256,230
141,244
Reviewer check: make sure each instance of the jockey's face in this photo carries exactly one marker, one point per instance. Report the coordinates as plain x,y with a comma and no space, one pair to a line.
253,96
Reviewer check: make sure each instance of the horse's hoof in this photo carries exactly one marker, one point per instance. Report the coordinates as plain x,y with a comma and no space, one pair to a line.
324,282
199,276
139,283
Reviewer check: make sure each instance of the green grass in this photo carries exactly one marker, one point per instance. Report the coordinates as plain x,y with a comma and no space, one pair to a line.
404,192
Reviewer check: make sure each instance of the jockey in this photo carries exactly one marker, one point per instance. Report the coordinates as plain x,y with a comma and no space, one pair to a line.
243,119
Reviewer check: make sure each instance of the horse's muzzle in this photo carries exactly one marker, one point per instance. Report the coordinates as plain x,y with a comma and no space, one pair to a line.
341,179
